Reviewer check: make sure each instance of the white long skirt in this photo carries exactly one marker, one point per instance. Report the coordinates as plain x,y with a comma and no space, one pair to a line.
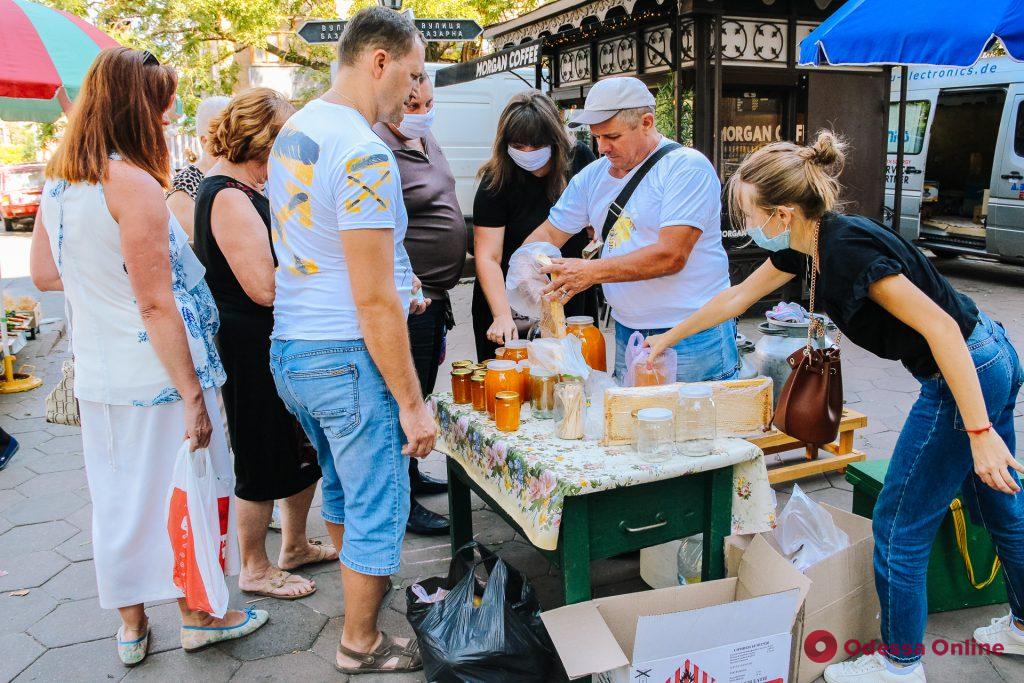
129,460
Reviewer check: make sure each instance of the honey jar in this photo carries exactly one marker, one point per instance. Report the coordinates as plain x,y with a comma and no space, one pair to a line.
506,410
516,350
502,375
542,393
461,390
594,353
478,392
523,367
462,364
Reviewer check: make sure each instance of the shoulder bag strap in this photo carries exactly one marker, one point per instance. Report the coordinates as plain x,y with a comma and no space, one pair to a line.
617,206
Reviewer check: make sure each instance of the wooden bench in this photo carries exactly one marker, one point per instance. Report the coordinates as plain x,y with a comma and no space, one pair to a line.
842,452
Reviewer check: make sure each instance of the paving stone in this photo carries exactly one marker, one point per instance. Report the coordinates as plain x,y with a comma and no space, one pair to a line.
10,498
177,665
64,444
53,482
86,662
490,529
76,622
33,440
43,508
19,651
63,430
17,614
31,570
25,425
615,569
839,481
291,666
82,518
329,598
292,627
838,498
57,463
34,537
76,582
955,667
1010,668
524,558
15,474
391,622
78,547
5,526
960,624
165,626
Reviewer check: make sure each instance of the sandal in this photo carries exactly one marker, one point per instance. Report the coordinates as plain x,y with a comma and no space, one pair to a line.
374,662
275,582
324,553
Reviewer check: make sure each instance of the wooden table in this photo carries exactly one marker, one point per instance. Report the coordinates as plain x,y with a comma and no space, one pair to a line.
608,523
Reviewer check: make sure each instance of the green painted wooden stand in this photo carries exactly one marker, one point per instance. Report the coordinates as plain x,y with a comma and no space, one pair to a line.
608,523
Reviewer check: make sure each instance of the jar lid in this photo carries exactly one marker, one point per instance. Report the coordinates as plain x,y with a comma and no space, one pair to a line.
461,371
523,365
462,364
501,365
517,344
654,415
580,320
695,391
479,376
507,395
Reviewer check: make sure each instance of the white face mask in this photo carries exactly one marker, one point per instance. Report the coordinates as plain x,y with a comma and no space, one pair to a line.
530,161
416,125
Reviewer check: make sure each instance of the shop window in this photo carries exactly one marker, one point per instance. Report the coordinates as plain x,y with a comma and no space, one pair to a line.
916,126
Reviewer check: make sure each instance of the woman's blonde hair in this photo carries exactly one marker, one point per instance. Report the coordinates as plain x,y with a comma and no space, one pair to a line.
788,174
246,129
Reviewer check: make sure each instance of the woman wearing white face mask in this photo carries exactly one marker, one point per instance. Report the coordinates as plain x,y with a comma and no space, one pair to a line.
532,161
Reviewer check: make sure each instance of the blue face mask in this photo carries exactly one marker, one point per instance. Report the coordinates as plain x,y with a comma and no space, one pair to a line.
777,243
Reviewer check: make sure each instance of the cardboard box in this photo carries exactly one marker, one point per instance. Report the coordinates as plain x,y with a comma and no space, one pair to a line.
735,630
841,599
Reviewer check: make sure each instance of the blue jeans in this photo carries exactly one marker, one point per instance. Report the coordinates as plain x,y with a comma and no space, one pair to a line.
707,356
931,463
339,397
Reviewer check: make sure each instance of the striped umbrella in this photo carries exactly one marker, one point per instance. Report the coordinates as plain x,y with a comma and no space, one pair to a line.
42,49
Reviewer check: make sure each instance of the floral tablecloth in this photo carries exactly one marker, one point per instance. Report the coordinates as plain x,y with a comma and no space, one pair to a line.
530,472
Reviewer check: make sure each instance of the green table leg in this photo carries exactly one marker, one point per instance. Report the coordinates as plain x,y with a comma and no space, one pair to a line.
717,522
459,508
575,550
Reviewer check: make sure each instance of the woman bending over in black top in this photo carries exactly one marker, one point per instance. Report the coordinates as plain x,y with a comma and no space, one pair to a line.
887,297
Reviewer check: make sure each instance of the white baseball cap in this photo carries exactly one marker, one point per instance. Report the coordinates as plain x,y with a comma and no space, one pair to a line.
610,96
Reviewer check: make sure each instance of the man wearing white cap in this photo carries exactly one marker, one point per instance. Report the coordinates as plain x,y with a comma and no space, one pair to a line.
662,257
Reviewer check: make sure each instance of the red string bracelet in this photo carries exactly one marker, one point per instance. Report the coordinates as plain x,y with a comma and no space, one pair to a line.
979,431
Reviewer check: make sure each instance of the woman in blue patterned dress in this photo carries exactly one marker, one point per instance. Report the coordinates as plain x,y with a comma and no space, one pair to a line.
143,324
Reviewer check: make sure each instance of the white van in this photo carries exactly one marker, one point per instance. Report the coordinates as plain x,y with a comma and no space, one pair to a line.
963,170
467,120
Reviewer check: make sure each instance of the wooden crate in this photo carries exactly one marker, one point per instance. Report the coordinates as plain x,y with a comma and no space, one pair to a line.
841,451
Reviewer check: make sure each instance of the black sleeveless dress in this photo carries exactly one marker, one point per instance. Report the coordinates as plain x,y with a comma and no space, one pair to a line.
273,458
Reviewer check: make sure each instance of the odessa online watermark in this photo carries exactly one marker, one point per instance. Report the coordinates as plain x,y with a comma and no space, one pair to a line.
821,646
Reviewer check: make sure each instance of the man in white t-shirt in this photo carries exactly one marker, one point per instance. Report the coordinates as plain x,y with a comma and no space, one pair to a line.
664,258
340,347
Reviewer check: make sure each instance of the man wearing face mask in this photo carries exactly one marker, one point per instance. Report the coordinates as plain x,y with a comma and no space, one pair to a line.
436,242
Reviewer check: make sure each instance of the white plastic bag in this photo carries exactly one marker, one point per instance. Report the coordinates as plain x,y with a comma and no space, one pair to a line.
560,356
200,524
806,533
593,422
524,282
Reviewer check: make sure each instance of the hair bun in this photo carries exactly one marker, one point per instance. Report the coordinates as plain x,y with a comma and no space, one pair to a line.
828,150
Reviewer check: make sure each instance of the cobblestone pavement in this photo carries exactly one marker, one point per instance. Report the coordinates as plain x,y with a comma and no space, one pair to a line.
56,630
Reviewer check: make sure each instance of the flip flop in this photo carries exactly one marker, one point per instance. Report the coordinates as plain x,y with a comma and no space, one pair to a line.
276,582
324,554
195,638
373,662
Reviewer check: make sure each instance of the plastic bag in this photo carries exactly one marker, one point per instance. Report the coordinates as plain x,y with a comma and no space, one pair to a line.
560,356
201,530
690,559
501,639
637,374
524,282
806,533
593,421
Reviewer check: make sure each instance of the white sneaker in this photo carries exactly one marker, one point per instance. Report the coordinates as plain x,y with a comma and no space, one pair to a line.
1000,632
870,669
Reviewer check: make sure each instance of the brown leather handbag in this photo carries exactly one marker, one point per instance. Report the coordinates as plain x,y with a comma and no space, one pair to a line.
811,403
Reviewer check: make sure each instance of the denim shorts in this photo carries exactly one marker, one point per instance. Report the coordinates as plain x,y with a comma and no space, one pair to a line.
336,392
706,356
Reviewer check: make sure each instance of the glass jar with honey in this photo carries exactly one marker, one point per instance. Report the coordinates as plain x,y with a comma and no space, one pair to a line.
542,393
502,375
516,350
461,390
524,381
594,352
478,392
506,410
462,364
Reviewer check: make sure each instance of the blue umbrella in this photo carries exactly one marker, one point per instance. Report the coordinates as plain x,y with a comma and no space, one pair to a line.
901,32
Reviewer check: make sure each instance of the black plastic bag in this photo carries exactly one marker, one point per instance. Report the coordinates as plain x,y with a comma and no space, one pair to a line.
500,640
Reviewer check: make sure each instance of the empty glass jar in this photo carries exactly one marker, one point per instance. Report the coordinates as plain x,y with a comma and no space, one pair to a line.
697,420
655,434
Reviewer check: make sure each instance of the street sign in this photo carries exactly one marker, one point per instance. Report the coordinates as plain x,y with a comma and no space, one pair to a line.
321,31
518,57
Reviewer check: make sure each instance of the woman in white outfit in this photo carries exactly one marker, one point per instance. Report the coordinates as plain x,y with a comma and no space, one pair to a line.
143,323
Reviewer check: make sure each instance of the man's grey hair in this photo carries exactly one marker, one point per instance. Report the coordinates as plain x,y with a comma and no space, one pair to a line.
376,28
633,117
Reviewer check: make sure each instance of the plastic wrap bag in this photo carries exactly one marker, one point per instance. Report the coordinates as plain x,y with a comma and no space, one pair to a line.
637,374
480,631
560,356
593,423
806,533
524,282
